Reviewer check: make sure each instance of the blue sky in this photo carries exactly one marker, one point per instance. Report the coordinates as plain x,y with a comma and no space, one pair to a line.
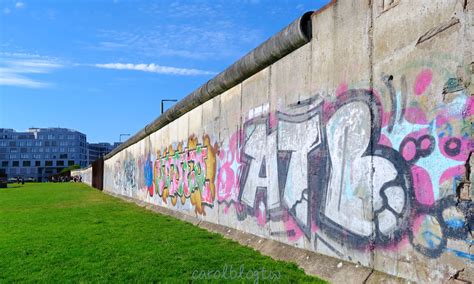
102,67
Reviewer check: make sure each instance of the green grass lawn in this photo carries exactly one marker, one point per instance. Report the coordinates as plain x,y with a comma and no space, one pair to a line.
71,232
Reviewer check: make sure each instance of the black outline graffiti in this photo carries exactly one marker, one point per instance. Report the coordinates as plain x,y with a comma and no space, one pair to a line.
452,152
447,232
420,151
283,161
403,180
319,170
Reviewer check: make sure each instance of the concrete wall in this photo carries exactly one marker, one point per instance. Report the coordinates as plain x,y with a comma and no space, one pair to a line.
355,145
85,174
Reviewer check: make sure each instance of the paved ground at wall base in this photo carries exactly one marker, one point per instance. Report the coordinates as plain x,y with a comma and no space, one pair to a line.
329,268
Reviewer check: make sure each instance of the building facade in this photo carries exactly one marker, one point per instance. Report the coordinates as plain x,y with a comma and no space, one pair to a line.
98,150
41,152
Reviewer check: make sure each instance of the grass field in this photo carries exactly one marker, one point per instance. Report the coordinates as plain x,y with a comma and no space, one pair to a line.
71,232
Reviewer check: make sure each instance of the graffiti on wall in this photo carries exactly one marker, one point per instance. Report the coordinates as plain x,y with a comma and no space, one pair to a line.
350,171
369,169
187,172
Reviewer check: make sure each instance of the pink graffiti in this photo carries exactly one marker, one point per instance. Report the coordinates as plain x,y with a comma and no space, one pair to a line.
409,151
469,108
272,120
228,178
341,89
450,143
292,226
422,81
422,186
261,210
415,116
452,172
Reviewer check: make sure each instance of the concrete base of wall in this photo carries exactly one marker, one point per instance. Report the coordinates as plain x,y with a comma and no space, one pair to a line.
326,267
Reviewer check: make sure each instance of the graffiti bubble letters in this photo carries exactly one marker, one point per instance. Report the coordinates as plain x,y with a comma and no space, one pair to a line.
187,173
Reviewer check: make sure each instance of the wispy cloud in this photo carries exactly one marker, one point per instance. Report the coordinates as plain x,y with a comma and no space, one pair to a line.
8,78
6,10
16,69
173,30
19,5
155,68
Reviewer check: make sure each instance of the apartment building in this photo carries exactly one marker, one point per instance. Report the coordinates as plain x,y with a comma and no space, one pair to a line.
39,153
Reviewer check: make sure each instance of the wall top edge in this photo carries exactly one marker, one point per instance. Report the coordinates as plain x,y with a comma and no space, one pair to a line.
292,37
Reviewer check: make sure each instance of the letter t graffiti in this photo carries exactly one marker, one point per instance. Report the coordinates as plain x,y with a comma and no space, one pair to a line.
298,138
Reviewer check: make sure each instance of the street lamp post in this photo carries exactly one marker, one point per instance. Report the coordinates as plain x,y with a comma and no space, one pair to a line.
120,137
163,104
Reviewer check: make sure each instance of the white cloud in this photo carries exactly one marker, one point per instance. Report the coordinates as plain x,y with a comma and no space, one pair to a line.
155,68
15,68
19,5
12,79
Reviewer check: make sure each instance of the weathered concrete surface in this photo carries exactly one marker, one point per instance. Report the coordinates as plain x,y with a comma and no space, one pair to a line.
357,145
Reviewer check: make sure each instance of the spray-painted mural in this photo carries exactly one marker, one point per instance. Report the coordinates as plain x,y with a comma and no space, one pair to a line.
349,170
360,169
184,173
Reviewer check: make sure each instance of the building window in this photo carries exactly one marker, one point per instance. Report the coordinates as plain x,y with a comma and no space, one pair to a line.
13,150
48,163
46,150
46,156
41,137
13,156
59,163
29,143
54,150
22,143
61,136
15,164
72,150
24,156
40,150
70,163
62,143
37,163
36,156
5,164
50,136
3,143
46,143
70,137
62,156
38,143
26,164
